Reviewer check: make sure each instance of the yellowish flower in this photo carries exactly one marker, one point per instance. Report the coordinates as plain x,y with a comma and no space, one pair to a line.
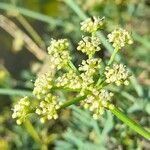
119,38
21,110
89,45
43,84
91,25
70,80
118,74
58,50
97,103
48,108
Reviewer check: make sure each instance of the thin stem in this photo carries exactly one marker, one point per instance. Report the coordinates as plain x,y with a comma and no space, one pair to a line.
119,114
4,91
132,124
73,101
102,77
31,130
100,80
17,92
62,88
76,9
112,57
72,66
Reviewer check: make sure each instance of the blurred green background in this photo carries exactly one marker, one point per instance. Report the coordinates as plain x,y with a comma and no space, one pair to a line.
26,27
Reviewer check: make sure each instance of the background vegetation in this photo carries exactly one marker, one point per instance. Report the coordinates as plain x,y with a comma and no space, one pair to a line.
26,27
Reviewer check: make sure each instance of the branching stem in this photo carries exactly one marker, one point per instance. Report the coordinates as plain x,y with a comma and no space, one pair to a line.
119,114
132,124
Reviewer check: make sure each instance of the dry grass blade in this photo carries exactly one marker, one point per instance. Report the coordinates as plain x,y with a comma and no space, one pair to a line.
10,27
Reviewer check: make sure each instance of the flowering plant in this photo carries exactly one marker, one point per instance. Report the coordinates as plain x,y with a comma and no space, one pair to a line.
89,80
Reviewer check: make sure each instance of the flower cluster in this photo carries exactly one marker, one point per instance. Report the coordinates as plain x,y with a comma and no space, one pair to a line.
82,81
119,38
90,66
89,45
118,74
97,102
70,80
91,25
48,108
88,80
21,110
58,50
43,84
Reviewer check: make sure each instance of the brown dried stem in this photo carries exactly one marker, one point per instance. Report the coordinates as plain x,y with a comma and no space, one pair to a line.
11,28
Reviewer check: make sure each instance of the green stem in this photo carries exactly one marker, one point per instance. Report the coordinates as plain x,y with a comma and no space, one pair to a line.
4,91
102,77
77,10
17,92
132,124
62,88
73,101
31,130
72,66
112,57
119,114
100,80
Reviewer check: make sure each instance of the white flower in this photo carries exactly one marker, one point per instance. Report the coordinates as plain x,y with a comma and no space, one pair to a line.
58,50
97,103
119,38
91,66
89,69
89,45
58,45
70,80
43,84
48,108
118,74
92,24
21,110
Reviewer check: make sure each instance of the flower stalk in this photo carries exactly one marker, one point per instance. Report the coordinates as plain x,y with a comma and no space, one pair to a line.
119,114
31,130
132,124
91,94
112,57
73,101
